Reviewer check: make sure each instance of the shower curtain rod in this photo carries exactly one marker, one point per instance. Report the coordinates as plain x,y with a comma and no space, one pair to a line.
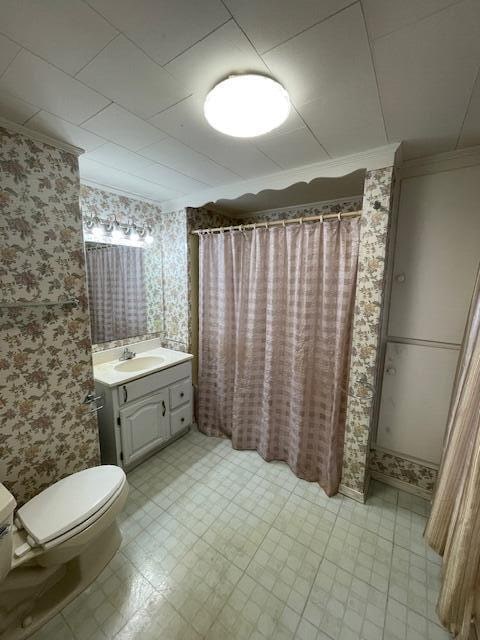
266,225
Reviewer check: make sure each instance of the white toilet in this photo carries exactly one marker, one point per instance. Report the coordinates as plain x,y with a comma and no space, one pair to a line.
55,545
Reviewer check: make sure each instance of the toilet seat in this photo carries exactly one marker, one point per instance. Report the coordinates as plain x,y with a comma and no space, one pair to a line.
69,506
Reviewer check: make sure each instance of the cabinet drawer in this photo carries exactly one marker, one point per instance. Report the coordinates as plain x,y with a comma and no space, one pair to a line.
180,393
152,382
180,418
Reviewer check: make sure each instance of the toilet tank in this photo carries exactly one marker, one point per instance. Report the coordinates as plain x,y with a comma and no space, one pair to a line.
7,507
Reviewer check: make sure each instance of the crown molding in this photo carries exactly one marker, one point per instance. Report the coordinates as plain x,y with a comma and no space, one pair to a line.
120,192
445,161
37,136
371,159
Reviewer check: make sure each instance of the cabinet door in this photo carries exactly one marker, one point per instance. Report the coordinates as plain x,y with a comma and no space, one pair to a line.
144,426
416,391
436,255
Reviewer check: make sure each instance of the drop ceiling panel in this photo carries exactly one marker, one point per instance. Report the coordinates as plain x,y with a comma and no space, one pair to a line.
66,38
100,173
426,73
325,58
61,130
270,22
126,75
185,121
223,52
178,156
120,126
336,91
41,84
168,177
119,158
8,51
15,109
470,134
386,16
162,28
293,149
343,126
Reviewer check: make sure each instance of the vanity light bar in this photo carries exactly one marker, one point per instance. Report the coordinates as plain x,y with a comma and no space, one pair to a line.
143,231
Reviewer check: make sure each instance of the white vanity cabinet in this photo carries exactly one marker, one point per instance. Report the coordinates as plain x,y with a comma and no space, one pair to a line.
143,415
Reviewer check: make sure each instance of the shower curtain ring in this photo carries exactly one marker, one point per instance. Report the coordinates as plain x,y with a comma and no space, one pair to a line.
321,217
283,223
339,216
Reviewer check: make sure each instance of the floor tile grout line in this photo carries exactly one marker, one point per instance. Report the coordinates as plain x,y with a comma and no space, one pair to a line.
272,525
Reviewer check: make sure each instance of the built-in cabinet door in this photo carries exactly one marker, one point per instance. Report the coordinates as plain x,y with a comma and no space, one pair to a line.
416,391
436,256
145,425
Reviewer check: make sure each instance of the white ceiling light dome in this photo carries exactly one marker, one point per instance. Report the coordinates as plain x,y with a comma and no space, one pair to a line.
248,105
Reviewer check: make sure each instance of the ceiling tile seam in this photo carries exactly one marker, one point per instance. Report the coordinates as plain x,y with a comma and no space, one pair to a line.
135,44
198,41
273,76
477,77
162,66
175,104
314,24
109,187
218,164
94,116
11,62
374,69
25,124
117,35
138,151
422,19
154,163
137,177
51,64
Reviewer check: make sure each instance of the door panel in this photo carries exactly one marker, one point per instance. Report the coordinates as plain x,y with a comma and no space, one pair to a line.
144,426
416,391
436,255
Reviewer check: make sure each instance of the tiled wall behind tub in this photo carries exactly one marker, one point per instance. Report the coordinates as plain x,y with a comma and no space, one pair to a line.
46,431
105,205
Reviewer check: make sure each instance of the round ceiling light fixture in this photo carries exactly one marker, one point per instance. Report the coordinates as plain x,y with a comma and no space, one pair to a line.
245,106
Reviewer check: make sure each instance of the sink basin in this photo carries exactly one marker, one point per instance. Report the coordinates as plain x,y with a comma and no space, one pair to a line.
138,364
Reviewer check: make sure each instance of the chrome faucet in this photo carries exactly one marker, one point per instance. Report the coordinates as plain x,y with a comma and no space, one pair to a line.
127,354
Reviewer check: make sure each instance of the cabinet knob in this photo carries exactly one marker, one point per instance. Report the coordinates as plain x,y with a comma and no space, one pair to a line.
182,420
182,394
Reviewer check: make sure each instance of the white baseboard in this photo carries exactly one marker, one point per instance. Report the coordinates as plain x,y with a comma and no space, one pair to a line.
401,484
352,493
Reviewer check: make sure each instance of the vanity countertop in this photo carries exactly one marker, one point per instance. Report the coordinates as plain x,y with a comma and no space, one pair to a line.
110,371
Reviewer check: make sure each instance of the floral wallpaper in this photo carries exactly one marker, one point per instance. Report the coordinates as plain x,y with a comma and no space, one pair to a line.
374,235
46,432
303,211
411,472
104,204
175,282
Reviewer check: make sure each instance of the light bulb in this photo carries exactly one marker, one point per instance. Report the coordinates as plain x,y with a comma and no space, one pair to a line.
116,234
149,238
97,231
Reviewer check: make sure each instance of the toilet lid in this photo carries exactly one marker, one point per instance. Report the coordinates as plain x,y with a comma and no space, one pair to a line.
69,502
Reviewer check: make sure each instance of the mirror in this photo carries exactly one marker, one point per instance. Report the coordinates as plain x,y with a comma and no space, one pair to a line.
124,290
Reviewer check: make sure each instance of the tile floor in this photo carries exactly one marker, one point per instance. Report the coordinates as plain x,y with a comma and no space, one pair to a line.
220,545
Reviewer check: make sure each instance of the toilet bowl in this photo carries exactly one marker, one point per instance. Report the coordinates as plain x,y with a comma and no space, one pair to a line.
55,545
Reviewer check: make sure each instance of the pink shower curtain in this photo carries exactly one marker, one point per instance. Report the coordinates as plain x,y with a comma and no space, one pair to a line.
275,314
